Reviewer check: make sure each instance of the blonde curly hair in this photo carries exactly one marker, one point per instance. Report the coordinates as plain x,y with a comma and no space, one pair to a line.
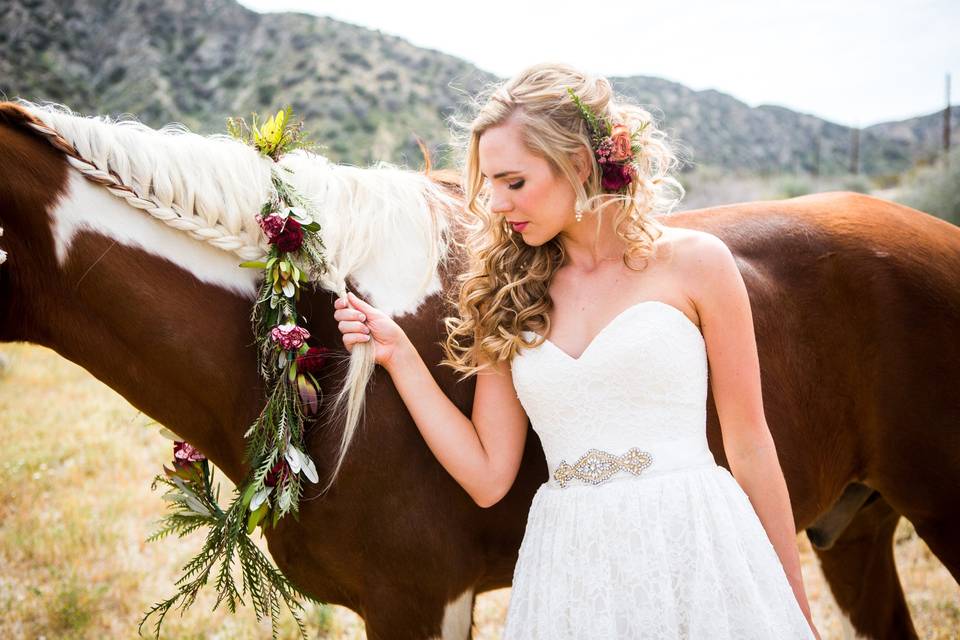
504,288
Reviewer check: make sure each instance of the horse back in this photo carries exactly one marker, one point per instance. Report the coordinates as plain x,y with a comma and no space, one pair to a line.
856,305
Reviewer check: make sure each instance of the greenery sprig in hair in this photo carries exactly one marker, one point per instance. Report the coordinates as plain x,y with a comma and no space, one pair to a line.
275,452
615,147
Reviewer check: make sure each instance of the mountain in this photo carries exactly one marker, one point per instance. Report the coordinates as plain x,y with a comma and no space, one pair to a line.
363,94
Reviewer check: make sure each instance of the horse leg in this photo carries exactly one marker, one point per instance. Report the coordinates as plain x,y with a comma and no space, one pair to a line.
410,614
860,569
926,492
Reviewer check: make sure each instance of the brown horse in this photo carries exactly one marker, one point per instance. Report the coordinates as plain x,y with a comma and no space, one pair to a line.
856,305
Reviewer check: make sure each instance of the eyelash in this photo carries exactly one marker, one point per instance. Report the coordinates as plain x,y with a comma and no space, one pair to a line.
516,185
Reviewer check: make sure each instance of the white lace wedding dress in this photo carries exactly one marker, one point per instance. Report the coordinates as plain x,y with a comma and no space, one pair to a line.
676,551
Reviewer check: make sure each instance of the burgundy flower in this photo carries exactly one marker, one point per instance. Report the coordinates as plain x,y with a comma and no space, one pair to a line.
616,176
287,233
291,237
272,225
277,474
289,336
184,455
187,452
313,360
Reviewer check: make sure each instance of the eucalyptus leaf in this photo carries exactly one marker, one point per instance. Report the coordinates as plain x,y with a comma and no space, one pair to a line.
310,470
260,498
294,458
196,506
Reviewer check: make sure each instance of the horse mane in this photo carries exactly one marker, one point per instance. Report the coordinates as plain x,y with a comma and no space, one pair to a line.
387,229
212,186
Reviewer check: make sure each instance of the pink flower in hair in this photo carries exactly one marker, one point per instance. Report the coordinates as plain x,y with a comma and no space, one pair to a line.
621,143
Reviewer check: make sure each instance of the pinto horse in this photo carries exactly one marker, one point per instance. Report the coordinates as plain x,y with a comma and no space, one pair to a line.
856,305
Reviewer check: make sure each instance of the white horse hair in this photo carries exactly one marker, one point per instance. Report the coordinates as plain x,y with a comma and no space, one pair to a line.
386,229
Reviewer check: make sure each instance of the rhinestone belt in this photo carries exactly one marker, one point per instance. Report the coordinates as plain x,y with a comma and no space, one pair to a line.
598,466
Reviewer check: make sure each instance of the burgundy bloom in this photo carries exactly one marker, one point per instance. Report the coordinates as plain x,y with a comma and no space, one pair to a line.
289,336
272,225
184,453
277,474
313,360
287,233
291,237
616,176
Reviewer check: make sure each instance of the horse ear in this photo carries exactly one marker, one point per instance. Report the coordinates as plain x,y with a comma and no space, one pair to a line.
14,114
426,156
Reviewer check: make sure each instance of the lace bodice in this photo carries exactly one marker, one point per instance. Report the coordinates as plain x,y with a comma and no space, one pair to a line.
642,380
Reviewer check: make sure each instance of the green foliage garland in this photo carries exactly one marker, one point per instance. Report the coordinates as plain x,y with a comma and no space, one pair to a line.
275,449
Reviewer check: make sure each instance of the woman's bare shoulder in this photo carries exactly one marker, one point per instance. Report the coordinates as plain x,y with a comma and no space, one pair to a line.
683,247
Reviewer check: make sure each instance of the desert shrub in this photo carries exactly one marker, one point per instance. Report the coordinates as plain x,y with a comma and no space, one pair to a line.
858,183
935,189
793,186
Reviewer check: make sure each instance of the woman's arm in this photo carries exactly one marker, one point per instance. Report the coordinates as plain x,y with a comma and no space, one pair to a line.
727,324
483,454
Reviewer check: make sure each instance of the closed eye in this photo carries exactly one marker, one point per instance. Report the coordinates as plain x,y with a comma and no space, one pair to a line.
516,185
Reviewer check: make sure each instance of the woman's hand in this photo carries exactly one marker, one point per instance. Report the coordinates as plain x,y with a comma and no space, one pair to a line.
360,322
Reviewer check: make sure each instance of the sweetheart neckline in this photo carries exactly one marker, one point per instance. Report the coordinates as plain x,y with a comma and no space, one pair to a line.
613,321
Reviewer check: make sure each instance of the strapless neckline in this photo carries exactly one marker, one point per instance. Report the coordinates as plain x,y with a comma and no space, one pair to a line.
613,322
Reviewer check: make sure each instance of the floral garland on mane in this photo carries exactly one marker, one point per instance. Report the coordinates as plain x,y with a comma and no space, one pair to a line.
275,450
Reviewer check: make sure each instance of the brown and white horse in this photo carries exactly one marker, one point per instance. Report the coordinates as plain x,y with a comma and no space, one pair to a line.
856,306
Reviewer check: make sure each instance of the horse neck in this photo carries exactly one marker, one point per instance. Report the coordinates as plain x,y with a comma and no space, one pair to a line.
167,328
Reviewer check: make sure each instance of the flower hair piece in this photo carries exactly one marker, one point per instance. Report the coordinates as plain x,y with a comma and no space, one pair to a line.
615,147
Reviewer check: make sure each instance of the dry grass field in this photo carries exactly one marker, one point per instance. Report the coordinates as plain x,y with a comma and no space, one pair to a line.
76,506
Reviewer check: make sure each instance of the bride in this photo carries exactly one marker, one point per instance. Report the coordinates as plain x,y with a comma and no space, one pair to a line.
582,314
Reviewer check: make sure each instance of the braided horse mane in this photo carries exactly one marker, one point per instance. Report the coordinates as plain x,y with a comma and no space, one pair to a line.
212,186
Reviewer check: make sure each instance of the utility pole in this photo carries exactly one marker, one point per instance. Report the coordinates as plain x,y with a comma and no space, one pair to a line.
855,152
946,128
816,153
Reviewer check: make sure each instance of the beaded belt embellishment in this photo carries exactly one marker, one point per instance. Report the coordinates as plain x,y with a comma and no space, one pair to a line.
598,466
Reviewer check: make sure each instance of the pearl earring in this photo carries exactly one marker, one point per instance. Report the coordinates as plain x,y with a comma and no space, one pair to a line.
578,212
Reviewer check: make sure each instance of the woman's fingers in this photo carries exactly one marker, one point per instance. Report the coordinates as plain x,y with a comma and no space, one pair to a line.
350,339
353,327
357,303
349,314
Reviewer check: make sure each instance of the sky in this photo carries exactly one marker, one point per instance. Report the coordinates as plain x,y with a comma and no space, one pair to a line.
853,62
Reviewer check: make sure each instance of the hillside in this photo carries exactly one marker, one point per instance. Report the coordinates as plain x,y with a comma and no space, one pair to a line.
364,94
